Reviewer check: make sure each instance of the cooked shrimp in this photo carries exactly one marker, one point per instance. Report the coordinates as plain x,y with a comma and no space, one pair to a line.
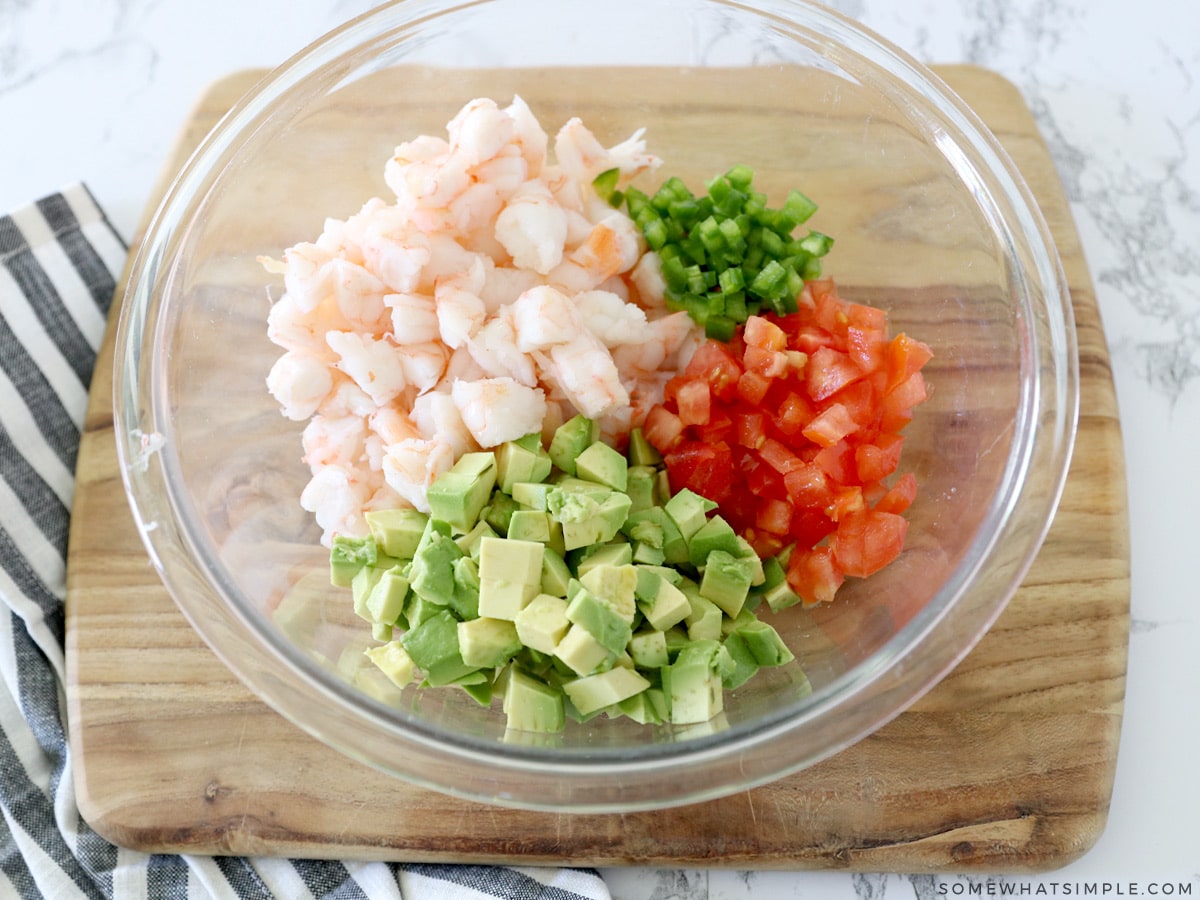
504,284
543,317
479,131
346,398
294,328
647,279
460,312
612,246
528,136
436,414
336,440
372,362
494,348
496,410
335,496
533,228
424,364
306,275
610,318
412,465
414,318
583,157
359,296
584,371
299,382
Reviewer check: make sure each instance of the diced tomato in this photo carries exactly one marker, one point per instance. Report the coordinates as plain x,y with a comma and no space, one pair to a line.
901,495
813,574
662,428
830,426
706,469
867,540
694,401
828,371
793,428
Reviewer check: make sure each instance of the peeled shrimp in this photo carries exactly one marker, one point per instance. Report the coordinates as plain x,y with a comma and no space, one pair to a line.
299,382
496,410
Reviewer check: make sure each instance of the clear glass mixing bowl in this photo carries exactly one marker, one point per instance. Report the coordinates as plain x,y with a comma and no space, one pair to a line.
932,222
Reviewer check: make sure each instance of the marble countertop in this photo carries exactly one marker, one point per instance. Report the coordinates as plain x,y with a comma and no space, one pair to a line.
96,92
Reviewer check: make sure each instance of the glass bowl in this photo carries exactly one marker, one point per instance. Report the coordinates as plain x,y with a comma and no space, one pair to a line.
932,222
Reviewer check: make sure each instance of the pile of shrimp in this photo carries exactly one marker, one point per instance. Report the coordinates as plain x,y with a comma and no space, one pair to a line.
497,296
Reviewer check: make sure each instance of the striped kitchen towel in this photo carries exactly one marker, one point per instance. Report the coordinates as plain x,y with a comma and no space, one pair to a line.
59,259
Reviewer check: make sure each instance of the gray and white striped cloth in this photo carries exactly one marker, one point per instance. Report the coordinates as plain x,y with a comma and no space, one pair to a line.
59,259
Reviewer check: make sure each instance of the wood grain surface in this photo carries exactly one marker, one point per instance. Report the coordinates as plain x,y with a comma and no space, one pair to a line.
1006,765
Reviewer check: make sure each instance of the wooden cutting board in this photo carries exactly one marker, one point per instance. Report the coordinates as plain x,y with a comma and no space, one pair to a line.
1006,765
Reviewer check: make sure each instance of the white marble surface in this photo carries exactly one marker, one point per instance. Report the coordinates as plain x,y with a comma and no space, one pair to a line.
96,91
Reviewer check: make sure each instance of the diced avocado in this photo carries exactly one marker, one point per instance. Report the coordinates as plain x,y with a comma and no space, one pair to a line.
397,531
744,663
775,588
660,602
640,486
433,646
676,638
669,573
745,551
615,585
465,603
604,465
510,575
581,652
641,452
586,520
385,603
434,529
418,609
612,554
530,525
728,626
715,534
647,554
532,705
595,692
521,460
704,620
469,543
361,587
499,511
764,643
457,496
653,524
432,571
571,484
693,683
726,581
382,632
393,660
648,648
610,629
643,708
689,511
347,556
478,686
570,439
542,623
531,495
555,573
487,643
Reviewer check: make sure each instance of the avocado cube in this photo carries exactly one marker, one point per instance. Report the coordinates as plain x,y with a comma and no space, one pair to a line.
530,525
397,531
393,660
647,554
640,451
689,511
457,496
653,526
531,495
614,554
693,683
640,486
715,534
661,602
648,648
570,439
610,629
469,543
487,643
499,511
744,664
704,620
615,586
592,693
726,581
347,556
555,573
542,623
521,460
510,575
478,686
642,708
432,571
385,603
586,520
417,609
604,465
433,646
465,601
531,704
581,652
764,643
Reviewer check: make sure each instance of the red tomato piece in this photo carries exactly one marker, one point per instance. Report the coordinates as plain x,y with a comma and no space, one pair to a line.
779,457
662,428
771,363
878,460
810,527
694,402
763,333
706,469
828,371
867,540
794,412
837,462
905,357
900,496
867,347
714,362
774,516
808,487
830,426
750,429
752,387
814,575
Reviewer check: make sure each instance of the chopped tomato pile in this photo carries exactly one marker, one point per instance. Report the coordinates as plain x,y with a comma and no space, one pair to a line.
794,429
